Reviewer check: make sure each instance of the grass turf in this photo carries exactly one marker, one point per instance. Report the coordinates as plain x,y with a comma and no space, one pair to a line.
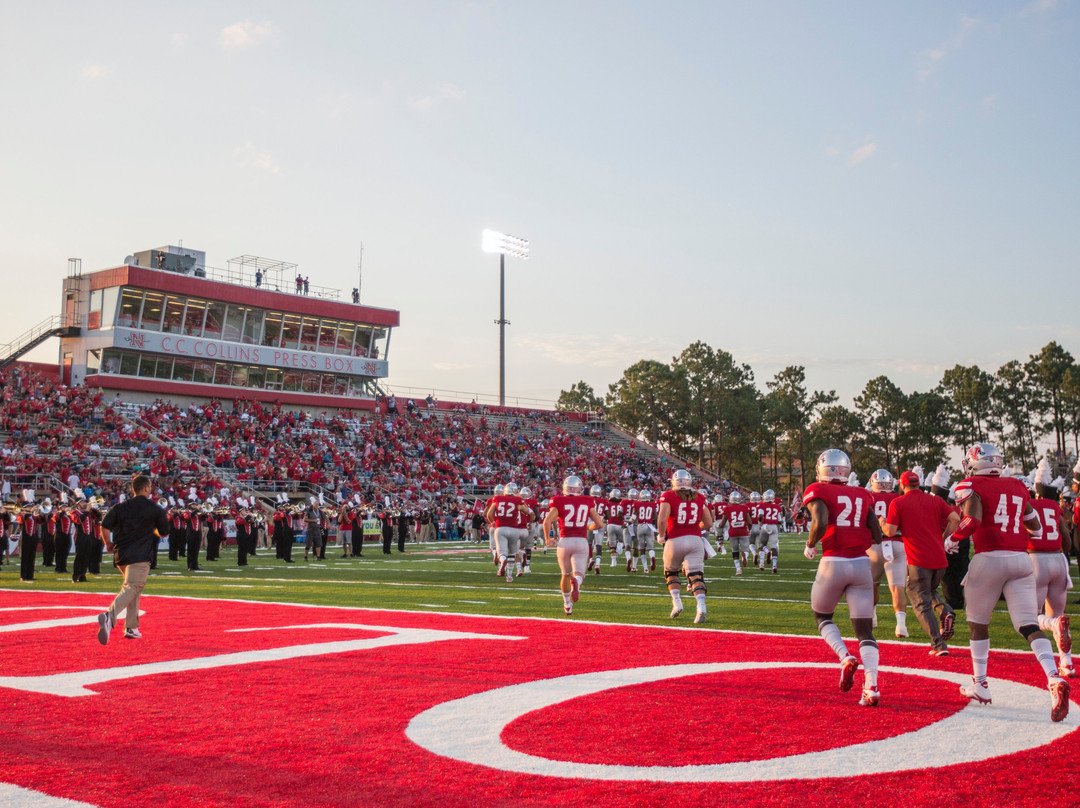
460,577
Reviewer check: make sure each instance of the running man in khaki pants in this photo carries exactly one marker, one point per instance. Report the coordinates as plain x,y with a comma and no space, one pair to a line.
130,530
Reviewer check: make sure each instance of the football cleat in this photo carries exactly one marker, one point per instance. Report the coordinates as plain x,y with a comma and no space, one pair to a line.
1067,671
592,563
509,578
676,611
526,569
1062,635
847,673
628,565
652,563
574,590
761,567
871,697
948,625
738,571
979,692
699,617
568,609
1059,699
502,568
939,652
596,569
775,571
901,632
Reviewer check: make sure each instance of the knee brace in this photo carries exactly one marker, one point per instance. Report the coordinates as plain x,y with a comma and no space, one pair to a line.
697,582
1028,630
672,579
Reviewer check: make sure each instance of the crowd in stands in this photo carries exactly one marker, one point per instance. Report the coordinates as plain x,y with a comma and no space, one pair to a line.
420,456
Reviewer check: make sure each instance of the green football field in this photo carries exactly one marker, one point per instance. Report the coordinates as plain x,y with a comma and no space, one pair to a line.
460,577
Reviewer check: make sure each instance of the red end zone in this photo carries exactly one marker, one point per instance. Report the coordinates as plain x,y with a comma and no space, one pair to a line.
227,703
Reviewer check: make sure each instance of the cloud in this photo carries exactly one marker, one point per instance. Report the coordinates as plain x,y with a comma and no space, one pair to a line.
443,93
864,152
930,60
1039,7
247,34
618,350
92,72
257,158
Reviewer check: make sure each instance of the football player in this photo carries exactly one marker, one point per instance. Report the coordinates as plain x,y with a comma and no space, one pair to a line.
737,524
497,492
629,509
882,484
533,528
645,517
681,515
719,528
999,520
614,515
755,526
842,519
1051,567
572,510
508,512
596,532
771,513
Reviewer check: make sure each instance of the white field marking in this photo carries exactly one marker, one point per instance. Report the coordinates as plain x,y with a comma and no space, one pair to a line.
77,683
511,597
516,618
434,605
1017,721
169,573
16,797
238,586
478,602
67,621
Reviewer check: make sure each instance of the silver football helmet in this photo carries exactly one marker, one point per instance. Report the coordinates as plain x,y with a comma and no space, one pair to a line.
500,490
833,465
526,493
769,495
615,494
755,496
983,459
882,481
572,485
734,498
512,489
632,493
719,499
596,491
644,495
681,480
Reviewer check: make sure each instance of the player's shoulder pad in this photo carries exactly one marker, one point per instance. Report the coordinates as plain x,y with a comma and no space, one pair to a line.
964,489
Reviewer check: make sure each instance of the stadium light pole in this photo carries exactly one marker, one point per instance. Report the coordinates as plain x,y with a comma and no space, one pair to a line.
504,245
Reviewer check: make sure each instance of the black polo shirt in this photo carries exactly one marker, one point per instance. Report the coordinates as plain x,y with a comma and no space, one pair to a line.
132,524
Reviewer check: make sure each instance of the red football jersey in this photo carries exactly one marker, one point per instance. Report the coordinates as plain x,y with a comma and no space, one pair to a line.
882,500
534,506
506,511
1004,501
573,514
684,519
1051,517
770,513
846,534
600,505
738,517
628,506
615,513
645,512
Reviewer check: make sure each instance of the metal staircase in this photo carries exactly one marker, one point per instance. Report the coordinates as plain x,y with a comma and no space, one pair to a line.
52,327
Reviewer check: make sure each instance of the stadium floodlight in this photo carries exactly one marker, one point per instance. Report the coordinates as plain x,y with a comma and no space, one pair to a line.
493,241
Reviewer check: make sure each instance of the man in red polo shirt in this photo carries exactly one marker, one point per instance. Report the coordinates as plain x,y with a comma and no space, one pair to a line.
924,520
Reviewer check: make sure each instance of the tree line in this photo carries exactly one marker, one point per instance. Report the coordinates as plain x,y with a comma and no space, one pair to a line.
707,408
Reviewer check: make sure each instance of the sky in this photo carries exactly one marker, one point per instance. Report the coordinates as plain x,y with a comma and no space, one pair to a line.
859,188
